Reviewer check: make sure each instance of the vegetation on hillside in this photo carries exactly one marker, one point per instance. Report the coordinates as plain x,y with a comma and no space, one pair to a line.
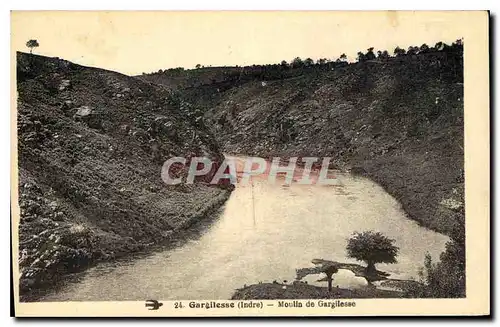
91,144
395,119
227,77
442,279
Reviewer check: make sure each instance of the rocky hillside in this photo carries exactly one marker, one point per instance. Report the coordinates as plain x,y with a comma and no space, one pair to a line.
91,145
397,120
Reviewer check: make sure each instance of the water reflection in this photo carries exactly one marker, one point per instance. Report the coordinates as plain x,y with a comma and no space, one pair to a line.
264,237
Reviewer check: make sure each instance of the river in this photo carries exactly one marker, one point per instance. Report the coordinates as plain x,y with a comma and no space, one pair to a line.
264,232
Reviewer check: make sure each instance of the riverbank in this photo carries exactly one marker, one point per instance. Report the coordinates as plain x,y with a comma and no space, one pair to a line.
264,233
398,123
63,249
272,291
91,144
420,163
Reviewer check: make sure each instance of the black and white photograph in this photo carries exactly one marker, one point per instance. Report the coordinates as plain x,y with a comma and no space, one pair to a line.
235,163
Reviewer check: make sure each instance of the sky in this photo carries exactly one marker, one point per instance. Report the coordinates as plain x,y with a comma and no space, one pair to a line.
136,42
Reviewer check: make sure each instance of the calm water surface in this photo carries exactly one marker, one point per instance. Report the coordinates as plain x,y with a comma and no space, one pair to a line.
264,239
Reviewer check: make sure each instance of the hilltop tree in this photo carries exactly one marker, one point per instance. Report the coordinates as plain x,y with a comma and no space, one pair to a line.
341,59
372,247
308,62
458,45
424,48
412,50
32,44
439,46
198,66
284,64
369,54
398,52
297,62
383,54
361,56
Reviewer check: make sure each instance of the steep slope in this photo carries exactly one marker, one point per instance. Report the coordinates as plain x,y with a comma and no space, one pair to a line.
180,78
91,145
405,130
397,120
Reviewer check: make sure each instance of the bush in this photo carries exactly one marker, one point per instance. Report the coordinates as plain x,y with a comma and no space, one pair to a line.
444,279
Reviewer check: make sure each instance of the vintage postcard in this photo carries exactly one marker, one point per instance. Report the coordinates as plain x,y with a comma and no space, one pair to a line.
232,163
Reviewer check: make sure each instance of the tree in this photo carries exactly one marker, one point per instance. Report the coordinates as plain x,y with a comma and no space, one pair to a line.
284,64
361,56
383,55
424,48
198,66
369,54
439,46
457,46
322,267
297,62
372,247
443,279
329,270
343,57
32,44
412,50
398,52
308,62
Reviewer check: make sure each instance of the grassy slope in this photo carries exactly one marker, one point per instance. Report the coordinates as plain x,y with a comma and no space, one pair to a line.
90,187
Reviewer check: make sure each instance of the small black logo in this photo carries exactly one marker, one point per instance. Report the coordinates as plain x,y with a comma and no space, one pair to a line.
155,305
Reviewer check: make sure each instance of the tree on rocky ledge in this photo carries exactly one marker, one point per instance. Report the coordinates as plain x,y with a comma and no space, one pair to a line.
32,44
372,247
